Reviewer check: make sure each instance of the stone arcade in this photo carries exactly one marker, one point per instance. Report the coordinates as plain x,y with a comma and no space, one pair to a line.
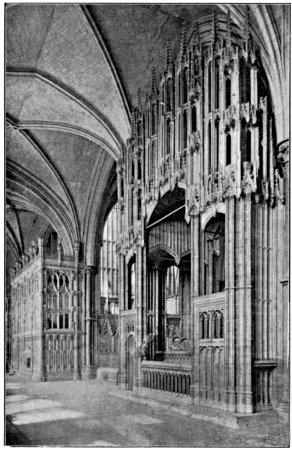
177,278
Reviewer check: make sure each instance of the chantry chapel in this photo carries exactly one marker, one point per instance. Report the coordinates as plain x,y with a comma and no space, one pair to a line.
147,199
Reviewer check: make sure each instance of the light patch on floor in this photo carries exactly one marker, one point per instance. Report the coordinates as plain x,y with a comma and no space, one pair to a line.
125,427
31,405
13,386
16,398
26,418
143,419
101,444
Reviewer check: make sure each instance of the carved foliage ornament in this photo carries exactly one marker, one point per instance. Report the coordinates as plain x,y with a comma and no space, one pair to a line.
229,181
283,156
248,179
193,202
195,142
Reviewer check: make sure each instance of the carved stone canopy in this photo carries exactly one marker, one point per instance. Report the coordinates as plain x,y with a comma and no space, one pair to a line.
283,155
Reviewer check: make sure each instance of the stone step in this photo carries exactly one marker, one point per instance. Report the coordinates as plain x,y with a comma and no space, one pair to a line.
182,404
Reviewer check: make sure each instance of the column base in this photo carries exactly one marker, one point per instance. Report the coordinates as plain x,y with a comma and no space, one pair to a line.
122,381
230,401
283,409
194,393
244,403
88,373
39,376
139,383
76,376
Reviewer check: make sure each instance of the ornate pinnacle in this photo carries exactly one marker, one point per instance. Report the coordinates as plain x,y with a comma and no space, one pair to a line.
122,154
153,83
139,99
167,55
246,23
183,43
228,29
214,30
133,124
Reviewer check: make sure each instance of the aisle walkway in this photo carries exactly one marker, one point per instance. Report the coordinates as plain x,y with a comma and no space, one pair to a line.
93,413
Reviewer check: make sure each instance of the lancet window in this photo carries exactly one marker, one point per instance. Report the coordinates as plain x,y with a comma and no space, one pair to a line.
51,243
185,85
172,290
131,283
211,325
185,129
152,156
209,146
217,81
210,86
139,206
214,255
217,325
139,169
244,81
228,149
162,98
217,142
204,326
194,118
245,141
58,302
227,91
122,187
168,136
109,265
260,128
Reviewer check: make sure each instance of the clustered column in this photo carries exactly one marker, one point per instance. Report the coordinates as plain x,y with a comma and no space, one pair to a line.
88,370
76,314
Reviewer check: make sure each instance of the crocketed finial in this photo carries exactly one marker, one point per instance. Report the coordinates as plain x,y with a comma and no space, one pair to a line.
183,42
153,82
139,99
214,30
133,124
228,37
167,55
246,23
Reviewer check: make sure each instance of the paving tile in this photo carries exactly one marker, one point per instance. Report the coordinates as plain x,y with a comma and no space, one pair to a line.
31,405
13,386
16,398
96,418
44,416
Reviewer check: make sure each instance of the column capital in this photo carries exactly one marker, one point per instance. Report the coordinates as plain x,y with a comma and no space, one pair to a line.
40,242
41,246
76,251
76,246
91,269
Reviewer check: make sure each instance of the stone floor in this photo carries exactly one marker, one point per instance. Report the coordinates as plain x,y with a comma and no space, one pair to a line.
95,414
